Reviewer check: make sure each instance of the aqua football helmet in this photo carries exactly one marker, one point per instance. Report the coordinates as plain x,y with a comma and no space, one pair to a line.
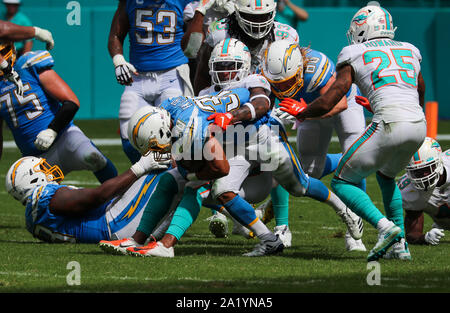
370,22
426,165
255,17
229,63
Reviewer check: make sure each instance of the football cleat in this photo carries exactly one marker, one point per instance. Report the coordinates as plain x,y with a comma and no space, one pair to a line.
352,244
218,225
399,251
354,223
283,232
155,248
266,211
118,246
267,247
385,239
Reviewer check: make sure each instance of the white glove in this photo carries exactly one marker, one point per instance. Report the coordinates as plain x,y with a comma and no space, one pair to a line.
434,236
45,139
147,164
224,6
285,117
204,5
123,70
45,36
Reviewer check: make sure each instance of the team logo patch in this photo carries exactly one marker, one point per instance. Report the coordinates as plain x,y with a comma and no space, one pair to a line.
361,18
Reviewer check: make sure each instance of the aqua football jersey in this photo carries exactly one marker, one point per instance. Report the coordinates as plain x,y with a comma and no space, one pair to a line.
31,113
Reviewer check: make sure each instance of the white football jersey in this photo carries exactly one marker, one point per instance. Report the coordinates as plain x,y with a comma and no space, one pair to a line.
249,82
218,31
435,203
386,72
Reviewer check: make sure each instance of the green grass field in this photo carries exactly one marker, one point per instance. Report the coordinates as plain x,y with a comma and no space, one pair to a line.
317,261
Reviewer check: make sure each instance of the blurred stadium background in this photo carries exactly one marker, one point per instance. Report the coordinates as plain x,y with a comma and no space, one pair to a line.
82,59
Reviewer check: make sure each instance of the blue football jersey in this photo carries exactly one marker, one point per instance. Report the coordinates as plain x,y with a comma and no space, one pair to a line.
31,113
155,32
93,226
316,75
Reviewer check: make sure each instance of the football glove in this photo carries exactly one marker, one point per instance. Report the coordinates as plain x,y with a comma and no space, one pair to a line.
285,117
123,70
434,236
204,5
363,101
221,119
147,164
45,139
45,36
293,107
224,6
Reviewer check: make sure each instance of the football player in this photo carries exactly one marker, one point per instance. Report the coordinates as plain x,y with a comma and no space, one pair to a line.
295,72
158,68
388,73
425,188
60,213
253,24
41,119
10,32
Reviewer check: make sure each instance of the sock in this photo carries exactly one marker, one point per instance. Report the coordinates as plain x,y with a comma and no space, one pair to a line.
244,213
108,172
158,204
357,200
317,190
392,200
280,203
132,154
331,163
186,212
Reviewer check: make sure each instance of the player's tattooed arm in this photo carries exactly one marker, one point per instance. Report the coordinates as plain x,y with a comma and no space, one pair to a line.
414,227
119,30
421,89
331,98
76,202
258,105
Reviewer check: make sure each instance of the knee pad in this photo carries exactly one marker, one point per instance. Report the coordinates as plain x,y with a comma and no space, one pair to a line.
95,160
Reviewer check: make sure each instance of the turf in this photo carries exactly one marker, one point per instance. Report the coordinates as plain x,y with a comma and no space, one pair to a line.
317,261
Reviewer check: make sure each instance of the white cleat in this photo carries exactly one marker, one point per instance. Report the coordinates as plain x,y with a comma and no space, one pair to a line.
354,223
399,251
218,225
386,239
268,247
153,249
284,234
352,244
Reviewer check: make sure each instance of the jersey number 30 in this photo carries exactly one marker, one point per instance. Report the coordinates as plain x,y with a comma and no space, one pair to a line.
385,59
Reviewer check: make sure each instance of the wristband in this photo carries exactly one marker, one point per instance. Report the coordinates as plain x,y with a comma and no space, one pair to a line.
259,96
252,110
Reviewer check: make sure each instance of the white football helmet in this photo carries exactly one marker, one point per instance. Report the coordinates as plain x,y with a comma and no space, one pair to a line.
426,165
229,63
255,17
149,130
283,68
28,173
370,22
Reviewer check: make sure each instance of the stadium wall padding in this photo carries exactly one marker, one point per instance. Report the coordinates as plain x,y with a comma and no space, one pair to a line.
82,59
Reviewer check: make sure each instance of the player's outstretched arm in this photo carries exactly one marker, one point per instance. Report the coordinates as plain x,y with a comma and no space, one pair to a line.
202,78
331,98
76,202
14,32
414,227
